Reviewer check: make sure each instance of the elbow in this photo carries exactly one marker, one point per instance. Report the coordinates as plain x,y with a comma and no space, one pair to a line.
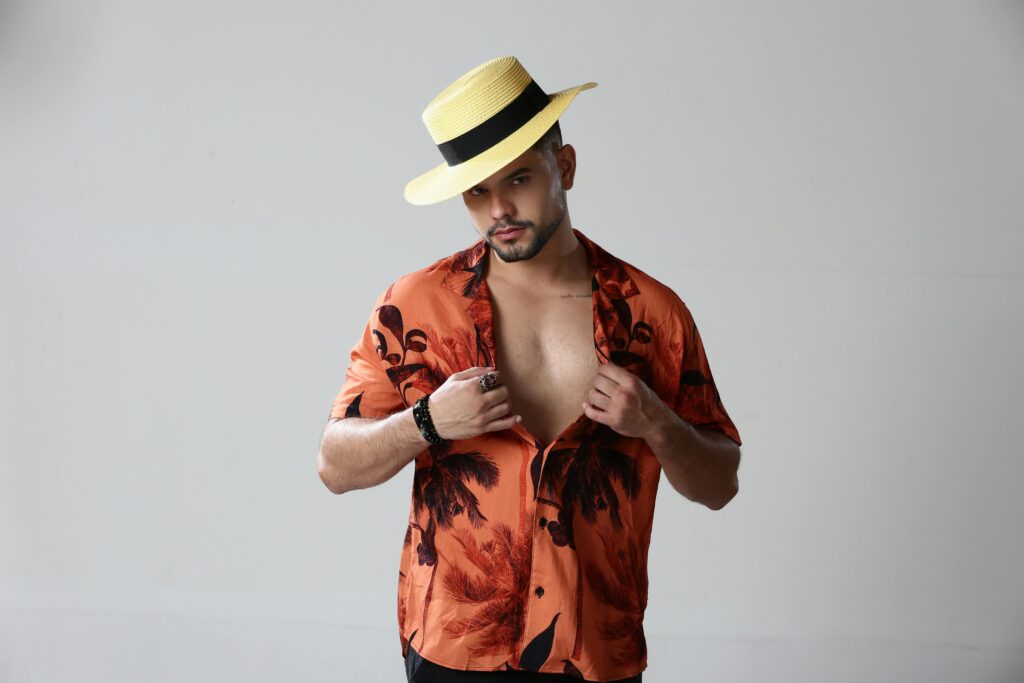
329,458
729,492
723,500
331,477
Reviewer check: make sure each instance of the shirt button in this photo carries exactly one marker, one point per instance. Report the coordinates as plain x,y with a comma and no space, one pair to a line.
543,522
539,592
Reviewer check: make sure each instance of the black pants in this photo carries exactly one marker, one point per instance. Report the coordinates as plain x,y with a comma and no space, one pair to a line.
419,670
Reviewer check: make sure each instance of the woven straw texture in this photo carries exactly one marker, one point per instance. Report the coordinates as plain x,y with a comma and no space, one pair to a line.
471,99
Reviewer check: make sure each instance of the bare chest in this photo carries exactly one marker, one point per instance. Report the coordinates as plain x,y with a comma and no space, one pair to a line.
545,349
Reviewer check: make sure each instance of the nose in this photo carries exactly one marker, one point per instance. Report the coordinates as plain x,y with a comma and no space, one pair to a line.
501,208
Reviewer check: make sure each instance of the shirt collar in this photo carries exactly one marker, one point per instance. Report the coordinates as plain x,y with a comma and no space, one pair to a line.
611,283
466,269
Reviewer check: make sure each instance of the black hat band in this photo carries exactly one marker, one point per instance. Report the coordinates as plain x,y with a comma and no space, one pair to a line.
498,127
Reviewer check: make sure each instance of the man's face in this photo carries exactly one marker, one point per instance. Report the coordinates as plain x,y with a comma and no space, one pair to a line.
528,194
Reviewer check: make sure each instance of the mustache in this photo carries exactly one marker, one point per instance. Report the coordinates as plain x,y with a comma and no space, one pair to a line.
510,224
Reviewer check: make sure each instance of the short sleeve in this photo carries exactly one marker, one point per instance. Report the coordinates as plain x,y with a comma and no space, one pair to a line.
367,390
697,399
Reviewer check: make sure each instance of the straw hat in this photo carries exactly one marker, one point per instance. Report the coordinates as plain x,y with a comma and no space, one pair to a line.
481,122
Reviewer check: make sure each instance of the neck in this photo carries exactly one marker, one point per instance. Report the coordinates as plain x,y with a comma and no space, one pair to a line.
562,261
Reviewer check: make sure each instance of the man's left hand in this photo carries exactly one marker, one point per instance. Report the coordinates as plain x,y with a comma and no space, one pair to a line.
624,402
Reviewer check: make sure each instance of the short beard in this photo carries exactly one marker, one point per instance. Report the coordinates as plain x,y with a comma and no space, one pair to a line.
515,252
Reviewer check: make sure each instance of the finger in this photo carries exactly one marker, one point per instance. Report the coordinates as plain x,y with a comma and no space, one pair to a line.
612,371
593,413
473,372
496,411
479,379
504,423
498,394
598,400
605,385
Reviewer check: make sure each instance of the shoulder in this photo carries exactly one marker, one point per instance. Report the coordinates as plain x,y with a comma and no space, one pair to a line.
655,296
428,286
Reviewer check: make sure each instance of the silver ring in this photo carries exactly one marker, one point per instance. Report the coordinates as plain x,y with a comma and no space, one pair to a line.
488,381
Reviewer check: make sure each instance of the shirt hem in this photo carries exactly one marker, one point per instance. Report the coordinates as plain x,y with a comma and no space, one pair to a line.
600,679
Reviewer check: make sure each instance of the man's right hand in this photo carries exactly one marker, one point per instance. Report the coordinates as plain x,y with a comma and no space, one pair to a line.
461,409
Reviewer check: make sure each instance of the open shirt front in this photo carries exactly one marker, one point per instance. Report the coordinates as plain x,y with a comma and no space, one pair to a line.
523,555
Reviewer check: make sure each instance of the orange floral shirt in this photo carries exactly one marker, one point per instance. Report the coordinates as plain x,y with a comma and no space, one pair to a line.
521,555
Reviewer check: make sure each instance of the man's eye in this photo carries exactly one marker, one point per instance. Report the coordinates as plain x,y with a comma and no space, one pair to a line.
473,192
520,177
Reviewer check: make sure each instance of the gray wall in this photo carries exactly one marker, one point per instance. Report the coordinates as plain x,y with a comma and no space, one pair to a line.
199,201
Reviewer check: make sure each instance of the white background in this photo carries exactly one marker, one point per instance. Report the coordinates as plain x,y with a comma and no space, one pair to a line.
199,201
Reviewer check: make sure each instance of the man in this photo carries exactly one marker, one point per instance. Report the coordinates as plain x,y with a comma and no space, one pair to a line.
541,385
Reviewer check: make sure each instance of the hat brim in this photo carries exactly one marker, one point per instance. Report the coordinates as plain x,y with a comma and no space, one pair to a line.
444,181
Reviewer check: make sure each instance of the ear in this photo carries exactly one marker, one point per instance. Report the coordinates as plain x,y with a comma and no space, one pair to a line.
566,161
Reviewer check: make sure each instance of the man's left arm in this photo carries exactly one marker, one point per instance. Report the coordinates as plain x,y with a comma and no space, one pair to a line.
701,464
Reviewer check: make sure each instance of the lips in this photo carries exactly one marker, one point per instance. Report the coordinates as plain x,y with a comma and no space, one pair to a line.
505,231
509,235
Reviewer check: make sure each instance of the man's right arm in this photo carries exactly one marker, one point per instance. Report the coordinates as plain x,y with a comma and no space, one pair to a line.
360,452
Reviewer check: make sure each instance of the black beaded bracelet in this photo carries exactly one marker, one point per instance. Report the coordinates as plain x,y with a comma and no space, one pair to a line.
421,411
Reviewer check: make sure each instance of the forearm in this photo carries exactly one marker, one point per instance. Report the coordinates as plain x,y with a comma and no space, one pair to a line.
357,453
700,464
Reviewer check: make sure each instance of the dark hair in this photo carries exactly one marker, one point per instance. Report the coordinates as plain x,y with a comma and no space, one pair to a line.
553,134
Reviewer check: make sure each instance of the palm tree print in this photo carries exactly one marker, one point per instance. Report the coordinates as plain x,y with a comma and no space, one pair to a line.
446,357
639,332
586,474
468,561
698,399
441,489
402,599
499,590
625,590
